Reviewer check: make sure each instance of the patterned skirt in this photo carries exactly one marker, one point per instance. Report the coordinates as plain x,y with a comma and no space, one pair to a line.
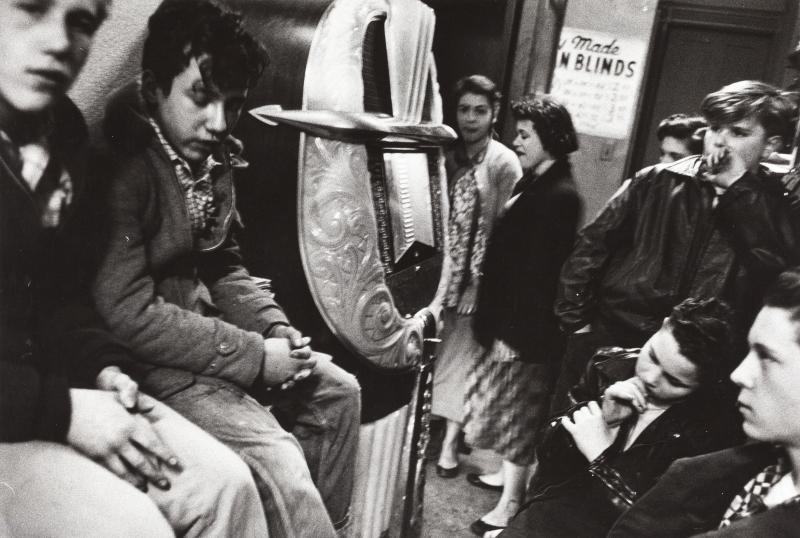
457,354
506,403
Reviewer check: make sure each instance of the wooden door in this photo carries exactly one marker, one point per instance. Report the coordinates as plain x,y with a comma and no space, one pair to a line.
699,49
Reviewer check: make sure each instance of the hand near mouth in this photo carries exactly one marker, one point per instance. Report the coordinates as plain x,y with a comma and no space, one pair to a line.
719,168
622,399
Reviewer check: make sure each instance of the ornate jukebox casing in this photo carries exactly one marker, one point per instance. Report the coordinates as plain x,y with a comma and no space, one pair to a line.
343,205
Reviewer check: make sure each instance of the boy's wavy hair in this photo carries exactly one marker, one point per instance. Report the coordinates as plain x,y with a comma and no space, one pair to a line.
551,121
685,128
180,30
772,107
785,293
703,329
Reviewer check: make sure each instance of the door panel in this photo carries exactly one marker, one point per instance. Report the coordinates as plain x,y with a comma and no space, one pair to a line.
696,62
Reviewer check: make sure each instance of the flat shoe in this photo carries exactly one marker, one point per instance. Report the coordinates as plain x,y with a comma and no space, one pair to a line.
475,480
480,527
445,472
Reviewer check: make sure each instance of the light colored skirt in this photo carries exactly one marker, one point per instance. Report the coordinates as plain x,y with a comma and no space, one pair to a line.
506,403
457,354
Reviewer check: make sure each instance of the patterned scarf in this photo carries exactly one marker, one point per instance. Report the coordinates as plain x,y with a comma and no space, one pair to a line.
466,231
750,500
198,188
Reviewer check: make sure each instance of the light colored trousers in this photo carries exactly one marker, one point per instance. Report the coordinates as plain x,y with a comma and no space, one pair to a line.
49,489
305,475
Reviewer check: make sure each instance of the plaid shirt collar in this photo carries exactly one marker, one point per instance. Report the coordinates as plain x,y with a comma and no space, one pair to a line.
199,197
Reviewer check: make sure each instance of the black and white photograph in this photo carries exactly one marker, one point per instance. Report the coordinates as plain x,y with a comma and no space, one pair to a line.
399,268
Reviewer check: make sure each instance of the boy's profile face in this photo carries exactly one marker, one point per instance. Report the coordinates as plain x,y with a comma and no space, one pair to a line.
769,379
43,46
196,117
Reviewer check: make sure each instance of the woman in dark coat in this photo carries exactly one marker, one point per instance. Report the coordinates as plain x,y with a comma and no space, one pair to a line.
514,323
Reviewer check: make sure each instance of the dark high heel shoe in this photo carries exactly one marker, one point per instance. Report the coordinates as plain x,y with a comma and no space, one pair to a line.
480,527
475,480
447,472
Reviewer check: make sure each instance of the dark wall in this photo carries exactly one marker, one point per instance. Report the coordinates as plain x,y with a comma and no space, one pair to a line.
474,36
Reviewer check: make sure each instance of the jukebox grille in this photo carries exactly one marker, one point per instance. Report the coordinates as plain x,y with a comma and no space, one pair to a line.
375,69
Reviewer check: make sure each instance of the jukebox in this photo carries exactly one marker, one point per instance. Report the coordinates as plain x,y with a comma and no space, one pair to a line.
343,204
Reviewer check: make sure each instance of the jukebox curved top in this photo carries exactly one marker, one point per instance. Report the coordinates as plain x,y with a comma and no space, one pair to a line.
368,179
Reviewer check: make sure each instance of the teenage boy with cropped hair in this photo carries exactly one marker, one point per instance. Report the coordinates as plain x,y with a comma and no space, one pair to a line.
71,456
714,225
172,284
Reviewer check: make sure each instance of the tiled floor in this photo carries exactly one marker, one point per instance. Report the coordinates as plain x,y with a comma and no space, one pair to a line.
452,504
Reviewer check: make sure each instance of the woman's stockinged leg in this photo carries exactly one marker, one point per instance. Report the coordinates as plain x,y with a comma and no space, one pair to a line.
449,455
515,478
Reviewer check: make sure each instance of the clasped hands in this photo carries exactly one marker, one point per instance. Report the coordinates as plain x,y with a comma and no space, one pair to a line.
594,428
287,358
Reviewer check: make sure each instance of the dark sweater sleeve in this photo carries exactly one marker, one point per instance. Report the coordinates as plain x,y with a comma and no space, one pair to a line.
33,404
73,335
78,343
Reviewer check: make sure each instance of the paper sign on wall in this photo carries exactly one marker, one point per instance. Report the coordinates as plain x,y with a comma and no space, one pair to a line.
597,76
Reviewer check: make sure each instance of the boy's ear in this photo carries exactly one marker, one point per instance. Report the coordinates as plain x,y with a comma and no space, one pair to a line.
149,87
495,112
774,143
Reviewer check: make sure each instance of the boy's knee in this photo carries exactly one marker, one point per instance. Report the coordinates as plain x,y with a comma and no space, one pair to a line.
350,387
343,382
133,514
225,479
235,479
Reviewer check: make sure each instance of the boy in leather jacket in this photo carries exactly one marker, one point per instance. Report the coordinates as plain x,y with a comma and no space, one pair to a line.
750,490
715,225
640,410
